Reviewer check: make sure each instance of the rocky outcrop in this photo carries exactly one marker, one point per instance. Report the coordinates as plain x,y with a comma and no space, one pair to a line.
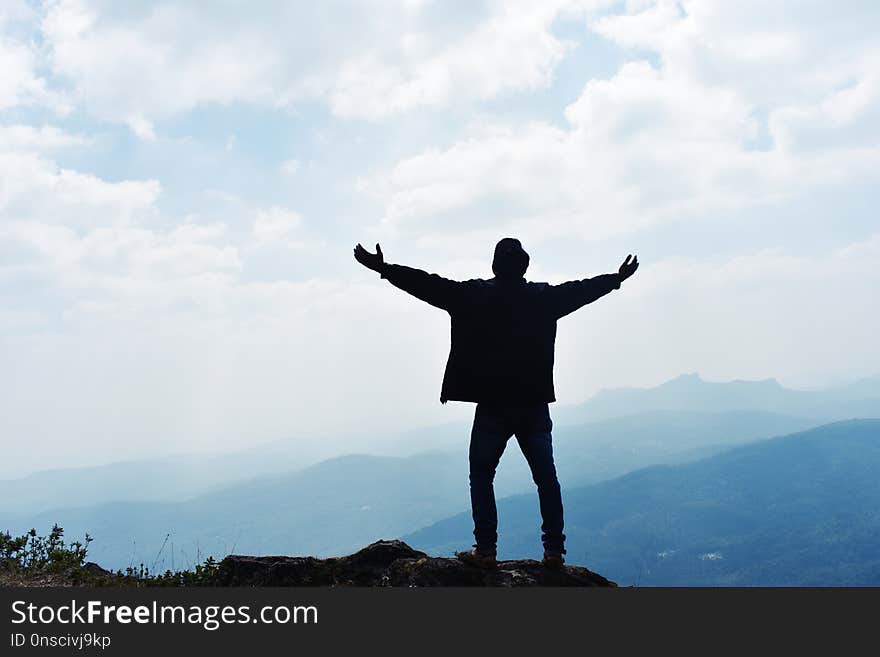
394,563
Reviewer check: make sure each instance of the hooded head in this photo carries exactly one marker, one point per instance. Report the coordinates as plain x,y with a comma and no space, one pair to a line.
511,260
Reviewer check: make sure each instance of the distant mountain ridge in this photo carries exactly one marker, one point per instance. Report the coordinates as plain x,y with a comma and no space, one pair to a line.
691,392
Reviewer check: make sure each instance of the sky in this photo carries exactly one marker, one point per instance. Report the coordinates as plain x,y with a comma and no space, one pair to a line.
181,186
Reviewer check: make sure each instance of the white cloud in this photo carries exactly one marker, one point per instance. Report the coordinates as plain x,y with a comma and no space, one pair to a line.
290,167
34,188
154,61
47,137
728,117
17,84
141,127
276,225
146,63
513,49
21,83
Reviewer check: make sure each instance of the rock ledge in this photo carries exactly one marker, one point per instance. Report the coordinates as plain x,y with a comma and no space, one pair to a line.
394,563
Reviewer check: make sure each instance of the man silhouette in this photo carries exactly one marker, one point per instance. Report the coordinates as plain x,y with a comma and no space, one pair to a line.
501,357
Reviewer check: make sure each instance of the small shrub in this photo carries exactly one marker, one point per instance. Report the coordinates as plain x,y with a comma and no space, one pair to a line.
30,558
32,553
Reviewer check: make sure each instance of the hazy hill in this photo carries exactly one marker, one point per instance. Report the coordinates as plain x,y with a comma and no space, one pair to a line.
342,503
324,510
181,477
587,453
604,449
691,393
162,479
802,509
613,449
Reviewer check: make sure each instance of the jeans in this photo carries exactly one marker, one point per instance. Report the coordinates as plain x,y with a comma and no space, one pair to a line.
494,424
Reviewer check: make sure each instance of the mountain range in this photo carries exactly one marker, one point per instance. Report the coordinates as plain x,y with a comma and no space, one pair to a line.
181,477
689,392
340,504
269,500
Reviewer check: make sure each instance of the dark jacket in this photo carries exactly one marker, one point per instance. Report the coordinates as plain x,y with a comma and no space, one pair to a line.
503,332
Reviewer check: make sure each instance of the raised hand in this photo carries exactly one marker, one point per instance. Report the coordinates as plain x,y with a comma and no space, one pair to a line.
627,269
369,260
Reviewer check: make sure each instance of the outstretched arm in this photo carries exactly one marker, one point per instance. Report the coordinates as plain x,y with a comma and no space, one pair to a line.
568,297
430,288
